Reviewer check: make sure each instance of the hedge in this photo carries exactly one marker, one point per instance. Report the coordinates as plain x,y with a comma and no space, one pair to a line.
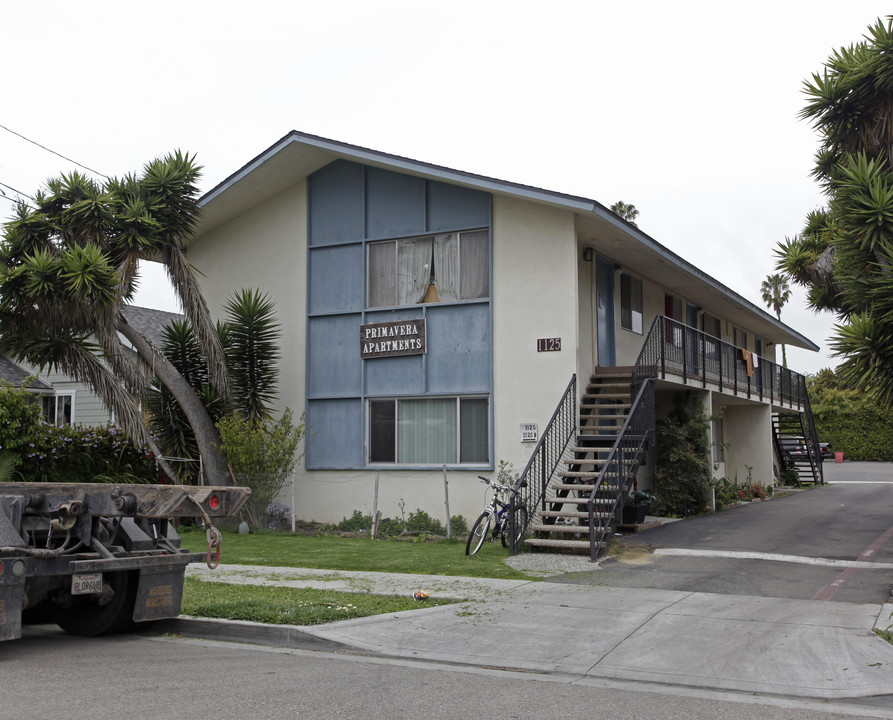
863,434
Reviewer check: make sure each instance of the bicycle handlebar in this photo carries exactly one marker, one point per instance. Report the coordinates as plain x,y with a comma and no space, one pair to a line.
497,486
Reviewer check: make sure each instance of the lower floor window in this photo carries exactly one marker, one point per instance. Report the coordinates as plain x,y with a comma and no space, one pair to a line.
425,431
58,410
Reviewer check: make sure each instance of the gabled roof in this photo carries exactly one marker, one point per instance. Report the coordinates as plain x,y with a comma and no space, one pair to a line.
298,155
148,322
16,376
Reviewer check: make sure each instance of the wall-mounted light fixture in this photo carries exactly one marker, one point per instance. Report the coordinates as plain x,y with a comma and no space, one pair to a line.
588,254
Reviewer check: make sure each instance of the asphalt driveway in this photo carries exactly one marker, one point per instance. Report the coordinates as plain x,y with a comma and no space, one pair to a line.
834,542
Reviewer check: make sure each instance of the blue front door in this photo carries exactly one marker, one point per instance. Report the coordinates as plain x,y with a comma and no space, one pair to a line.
604,300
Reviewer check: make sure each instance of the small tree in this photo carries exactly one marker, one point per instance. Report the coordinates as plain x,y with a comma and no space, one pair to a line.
262,457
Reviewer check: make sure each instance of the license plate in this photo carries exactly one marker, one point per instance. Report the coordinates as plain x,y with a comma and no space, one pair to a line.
88,584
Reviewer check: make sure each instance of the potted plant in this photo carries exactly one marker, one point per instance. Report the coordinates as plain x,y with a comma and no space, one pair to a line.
636,507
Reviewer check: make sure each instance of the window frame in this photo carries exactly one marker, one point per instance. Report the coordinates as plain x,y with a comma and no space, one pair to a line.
457,462
56,395
395,242
631,289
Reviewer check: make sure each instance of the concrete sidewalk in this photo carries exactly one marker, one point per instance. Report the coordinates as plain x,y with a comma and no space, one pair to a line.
799,648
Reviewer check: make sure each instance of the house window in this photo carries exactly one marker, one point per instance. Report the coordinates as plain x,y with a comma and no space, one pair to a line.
429,431
630,303
739,338
711,325
437,268
58,409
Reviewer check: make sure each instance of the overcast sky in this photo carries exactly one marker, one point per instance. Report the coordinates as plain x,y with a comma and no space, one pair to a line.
688,110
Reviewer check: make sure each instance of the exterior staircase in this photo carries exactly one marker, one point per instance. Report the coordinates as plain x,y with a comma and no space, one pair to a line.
795,448
561,521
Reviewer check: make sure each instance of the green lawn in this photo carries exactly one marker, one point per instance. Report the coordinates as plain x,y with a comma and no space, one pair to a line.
333,552
288,606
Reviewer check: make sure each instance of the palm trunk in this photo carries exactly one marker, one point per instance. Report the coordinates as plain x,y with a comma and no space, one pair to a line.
206,435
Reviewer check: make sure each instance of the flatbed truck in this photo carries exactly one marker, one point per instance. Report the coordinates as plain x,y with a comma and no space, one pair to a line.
100,558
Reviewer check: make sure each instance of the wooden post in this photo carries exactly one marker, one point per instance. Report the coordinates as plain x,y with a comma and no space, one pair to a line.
446,501
374,527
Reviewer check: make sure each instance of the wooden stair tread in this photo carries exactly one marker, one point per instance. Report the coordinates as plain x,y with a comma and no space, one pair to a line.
560,544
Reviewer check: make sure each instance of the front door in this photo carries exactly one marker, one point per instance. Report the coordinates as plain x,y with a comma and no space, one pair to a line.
604,317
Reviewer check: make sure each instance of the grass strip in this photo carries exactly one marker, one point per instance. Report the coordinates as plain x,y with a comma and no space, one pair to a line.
333,552
289,606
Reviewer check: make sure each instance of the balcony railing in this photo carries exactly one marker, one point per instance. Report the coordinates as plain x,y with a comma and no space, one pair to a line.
675,350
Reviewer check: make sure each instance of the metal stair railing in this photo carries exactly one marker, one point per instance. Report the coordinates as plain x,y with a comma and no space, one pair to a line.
813,448
550,452
674,348
622,462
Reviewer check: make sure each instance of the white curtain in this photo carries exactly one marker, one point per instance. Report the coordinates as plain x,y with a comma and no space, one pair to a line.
382,274
475,267
414,259
446,267
426,431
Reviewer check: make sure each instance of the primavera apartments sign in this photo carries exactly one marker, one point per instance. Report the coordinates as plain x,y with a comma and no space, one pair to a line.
405,337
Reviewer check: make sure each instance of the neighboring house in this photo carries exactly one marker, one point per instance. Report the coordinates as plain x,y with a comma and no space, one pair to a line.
66,401
434,319
63,400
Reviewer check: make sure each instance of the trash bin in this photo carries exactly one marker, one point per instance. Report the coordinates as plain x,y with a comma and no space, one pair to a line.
838,457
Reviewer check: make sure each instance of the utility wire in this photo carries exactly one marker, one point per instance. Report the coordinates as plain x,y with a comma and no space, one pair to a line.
18,192
43,147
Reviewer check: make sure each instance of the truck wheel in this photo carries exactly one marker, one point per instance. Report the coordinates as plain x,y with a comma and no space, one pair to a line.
86,617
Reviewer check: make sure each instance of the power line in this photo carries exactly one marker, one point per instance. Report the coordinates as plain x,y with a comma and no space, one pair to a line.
43,147
18,192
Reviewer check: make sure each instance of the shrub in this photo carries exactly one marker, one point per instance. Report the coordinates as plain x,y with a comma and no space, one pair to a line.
262,458
682,476
418,523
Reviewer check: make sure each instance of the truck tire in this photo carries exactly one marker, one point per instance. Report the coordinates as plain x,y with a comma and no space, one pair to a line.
87,618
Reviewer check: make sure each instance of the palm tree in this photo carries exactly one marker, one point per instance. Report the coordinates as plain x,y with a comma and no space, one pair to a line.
776,292
626,210
844,256
69,264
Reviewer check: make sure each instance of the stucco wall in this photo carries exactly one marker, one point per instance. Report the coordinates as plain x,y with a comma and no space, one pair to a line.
265,249
535,296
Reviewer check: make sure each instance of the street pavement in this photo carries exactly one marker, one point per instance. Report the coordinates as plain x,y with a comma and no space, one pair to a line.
752,643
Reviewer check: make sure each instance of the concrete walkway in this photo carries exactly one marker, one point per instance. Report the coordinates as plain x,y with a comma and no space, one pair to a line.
799,648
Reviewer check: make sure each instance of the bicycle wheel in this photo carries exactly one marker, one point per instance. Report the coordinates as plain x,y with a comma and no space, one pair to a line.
478,534
520,525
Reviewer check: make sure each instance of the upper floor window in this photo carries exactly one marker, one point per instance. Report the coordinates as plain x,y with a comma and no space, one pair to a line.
711,325
436,268
630,303
739,337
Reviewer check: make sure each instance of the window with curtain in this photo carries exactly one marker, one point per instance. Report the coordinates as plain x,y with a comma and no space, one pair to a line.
429,431
438,268
631,303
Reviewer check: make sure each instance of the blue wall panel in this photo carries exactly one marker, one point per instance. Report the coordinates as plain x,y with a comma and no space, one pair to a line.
335,434
336,279
459,354
334,367
336,204
451,207
395,204
395,375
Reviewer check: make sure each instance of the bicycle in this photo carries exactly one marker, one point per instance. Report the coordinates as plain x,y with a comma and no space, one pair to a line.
496,514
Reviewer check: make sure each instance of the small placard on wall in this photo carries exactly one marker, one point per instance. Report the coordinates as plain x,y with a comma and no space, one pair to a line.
548,344
528,432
